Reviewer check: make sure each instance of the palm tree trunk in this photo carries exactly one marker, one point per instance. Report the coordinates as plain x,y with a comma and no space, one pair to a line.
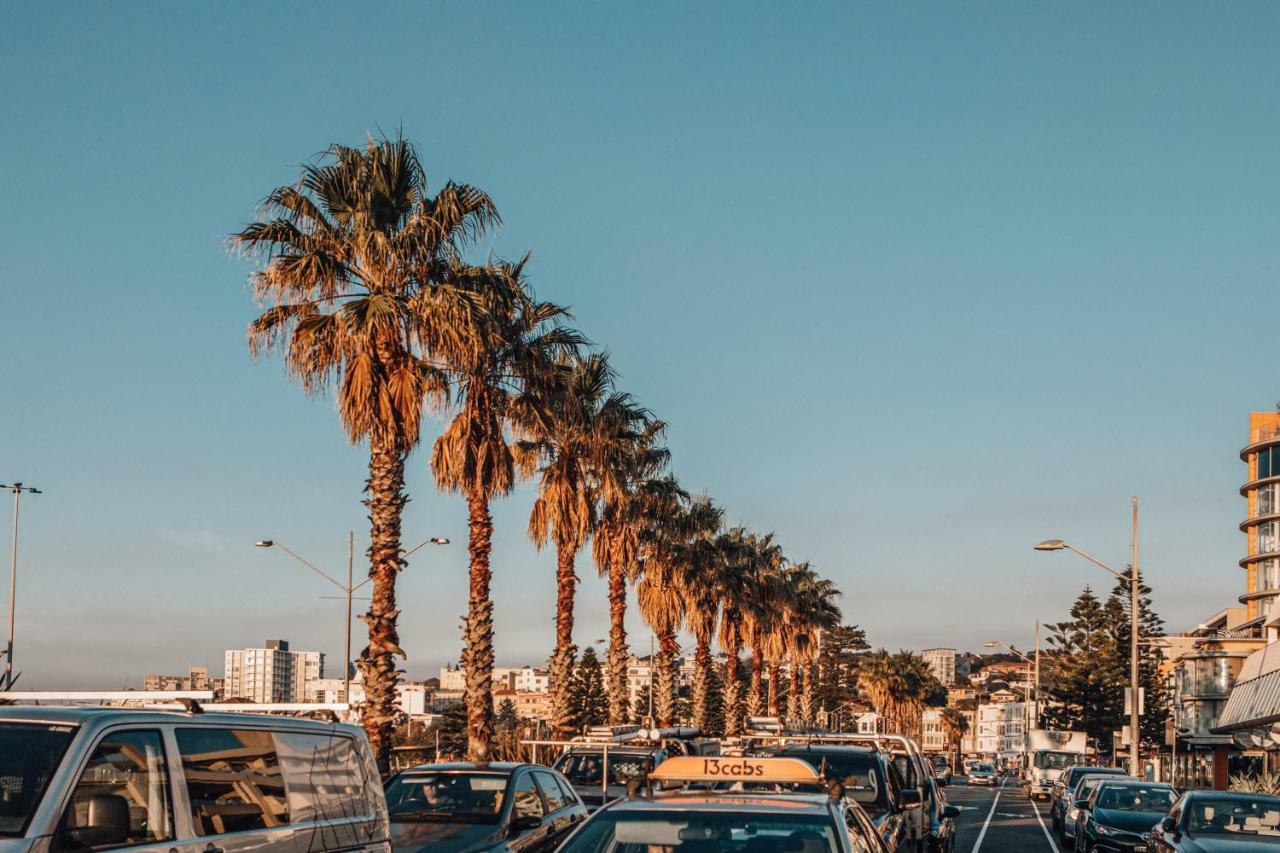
775,675
562,659
755,691
619,698
385,501
477,652
793,692
732,694
664,700
701,682
806,696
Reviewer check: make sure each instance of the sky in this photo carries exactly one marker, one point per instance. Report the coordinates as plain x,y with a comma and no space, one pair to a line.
915,285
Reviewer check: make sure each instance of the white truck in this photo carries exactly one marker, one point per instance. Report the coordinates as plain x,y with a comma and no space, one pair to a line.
1049,754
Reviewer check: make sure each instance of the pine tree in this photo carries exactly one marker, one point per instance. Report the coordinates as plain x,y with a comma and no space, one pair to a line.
1150,625
640,710
587,696
842,651
1081,679
715,702
506,718
453,731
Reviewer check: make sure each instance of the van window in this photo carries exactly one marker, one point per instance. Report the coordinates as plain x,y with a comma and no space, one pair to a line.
233,779
550,791
324,776
29,756
122,797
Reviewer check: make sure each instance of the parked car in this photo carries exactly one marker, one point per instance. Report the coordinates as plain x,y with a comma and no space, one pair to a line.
473,807
871,780
941,769
597,779
1082,791
1119,814
92,779
1224,821
982,774
1063,799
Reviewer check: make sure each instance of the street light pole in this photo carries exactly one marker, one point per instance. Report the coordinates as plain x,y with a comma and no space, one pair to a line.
348,591
6,681
1135,584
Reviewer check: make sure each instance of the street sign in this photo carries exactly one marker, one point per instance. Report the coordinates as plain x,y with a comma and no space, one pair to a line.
1128,702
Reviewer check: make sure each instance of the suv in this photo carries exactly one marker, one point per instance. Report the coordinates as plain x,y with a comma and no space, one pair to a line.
1061,800
81,780
871,780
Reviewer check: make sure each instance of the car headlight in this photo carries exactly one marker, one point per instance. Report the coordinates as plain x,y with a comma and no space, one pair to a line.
1105,830
1074,814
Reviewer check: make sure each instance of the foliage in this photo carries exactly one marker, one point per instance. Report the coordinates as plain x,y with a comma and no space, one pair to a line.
843,649
1156,709
587,694
1265,783
1080,675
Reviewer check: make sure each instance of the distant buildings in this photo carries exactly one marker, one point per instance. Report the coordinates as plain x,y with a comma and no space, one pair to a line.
942,663
526,678
197,678
273,673
1001,729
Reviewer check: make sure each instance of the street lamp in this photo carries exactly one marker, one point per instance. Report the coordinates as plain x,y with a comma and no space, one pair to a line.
6,681
348,590
1059,545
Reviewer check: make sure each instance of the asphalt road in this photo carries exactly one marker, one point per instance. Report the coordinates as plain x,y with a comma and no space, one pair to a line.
1000,819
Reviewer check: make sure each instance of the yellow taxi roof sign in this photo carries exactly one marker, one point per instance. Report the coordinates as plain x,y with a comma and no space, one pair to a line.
699,768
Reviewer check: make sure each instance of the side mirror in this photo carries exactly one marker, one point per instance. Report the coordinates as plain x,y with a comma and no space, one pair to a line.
107,821
951,812
909,799
1168,824
523,823
1082,805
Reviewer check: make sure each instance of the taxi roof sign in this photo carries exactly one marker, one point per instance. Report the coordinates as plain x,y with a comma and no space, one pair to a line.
698,768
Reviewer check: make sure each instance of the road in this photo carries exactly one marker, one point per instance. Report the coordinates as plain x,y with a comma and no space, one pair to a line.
1000,820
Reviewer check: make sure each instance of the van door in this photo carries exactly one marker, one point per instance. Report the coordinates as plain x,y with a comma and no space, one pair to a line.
122,798
235,790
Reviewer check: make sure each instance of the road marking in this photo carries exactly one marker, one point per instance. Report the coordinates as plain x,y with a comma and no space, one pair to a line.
983,834
1052,845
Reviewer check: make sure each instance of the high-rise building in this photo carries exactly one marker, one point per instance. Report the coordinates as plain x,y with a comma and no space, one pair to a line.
1262,515
942,663
273,673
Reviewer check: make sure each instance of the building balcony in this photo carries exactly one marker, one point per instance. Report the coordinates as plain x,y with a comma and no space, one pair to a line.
1261,481
1258,558
1262,438
1258,519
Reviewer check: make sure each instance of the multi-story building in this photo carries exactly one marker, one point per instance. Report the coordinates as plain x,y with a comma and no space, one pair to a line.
1261,526
1002,730
273,673
197,678
527,678
933,733
942,663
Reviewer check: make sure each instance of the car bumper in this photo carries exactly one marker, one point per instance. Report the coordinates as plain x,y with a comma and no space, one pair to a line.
1040,788
1118,845
981,780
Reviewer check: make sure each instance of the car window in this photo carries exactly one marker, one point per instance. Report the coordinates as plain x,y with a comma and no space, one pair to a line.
324,777
1134,798
1242,815
234,780
861,832
527,801
550,789
122,798
570,795
463,795
29,758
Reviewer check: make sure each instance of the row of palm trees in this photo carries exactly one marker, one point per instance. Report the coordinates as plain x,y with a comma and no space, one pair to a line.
898,685
365,288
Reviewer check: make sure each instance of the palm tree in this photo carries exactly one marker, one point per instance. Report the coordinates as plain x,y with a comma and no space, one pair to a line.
876,678
699,557
759,618
629,461
955,725
562,449
661,603
498,382
743,553
353,296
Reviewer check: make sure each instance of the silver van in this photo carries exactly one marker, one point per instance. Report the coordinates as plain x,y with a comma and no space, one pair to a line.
81,780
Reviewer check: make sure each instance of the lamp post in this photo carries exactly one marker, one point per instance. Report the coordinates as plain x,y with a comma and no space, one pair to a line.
1133,578
6,681
348,590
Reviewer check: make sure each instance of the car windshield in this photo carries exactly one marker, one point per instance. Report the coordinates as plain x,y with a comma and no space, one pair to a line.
447,796
29,756
861,773
1057,760
1242,815
981,768
587,768
1135,798
666,832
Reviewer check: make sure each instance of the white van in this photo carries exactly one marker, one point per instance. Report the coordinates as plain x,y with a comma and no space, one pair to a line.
82,780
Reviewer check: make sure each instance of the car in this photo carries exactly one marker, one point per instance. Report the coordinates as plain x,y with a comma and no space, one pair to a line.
941,769
730,805
1062,799
1118,815
982,774
1083,789
600,772
481,807
871,780
88,779
1218,821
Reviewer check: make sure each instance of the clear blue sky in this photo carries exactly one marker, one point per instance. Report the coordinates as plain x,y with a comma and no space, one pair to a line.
915,285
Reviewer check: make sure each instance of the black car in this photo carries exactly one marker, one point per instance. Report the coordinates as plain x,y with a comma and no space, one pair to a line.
598,781
1218,822
871,780
467,807
1060,803
1118,815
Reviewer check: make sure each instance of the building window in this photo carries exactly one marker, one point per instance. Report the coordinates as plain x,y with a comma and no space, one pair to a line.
1269,462
1268,501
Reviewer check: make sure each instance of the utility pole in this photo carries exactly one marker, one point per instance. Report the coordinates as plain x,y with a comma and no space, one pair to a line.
1037,673
1134,734
6,681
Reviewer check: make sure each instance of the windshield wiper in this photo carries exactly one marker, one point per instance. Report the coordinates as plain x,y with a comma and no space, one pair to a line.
460,817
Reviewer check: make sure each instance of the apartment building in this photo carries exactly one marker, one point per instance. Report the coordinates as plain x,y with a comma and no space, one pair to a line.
1001,730
197,678
942,663
273,673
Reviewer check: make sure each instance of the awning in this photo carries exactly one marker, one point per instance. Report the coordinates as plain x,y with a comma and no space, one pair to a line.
1255,698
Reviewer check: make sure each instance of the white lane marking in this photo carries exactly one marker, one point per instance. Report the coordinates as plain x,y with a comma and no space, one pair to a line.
983,834
1036,810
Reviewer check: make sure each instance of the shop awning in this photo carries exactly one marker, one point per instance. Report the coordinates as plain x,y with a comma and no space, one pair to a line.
1255,698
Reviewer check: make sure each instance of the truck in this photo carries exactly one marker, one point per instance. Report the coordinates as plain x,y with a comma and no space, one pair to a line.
1049,754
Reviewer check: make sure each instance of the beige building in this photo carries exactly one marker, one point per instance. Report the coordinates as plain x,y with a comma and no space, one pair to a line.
273,673
942,663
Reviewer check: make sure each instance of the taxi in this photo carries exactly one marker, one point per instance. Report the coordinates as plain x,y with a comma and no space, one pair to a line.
700,804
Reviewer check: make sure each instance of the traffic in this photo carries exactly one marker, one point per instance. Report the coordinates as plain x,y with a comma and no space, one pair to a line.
94,779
